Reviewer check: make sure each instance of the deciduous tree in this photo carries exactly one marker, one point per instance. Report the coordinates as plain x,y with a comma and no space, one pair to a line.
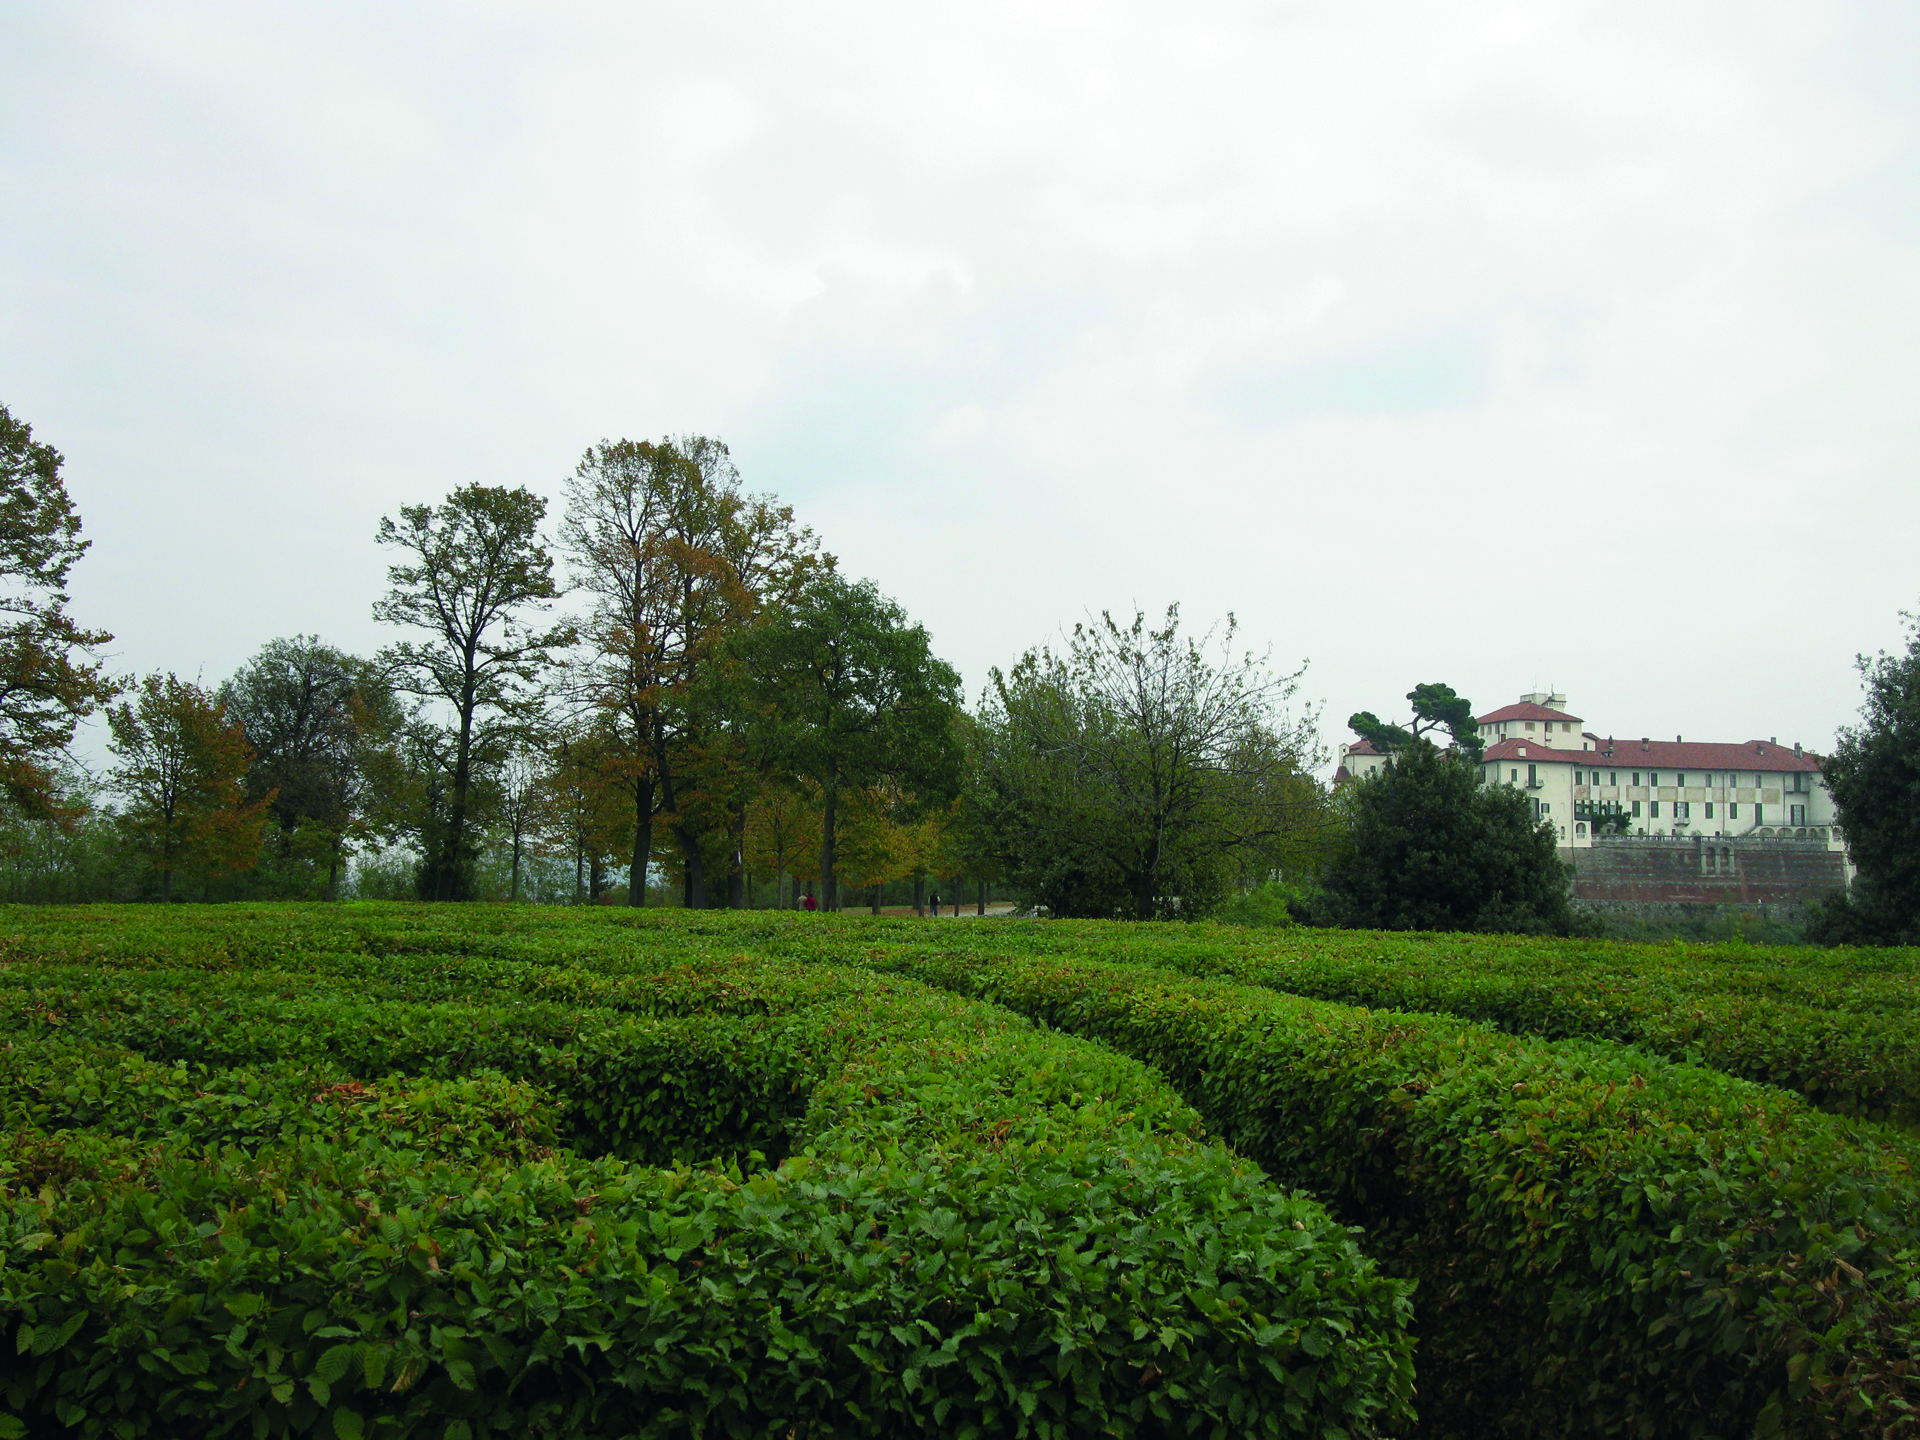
474,577
181,766
310,712
675,557
46,687
850,695
1140,773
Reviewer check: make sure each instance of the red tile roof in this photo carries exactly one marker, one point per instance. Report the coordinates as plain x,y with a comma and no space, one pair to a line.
1762,755
1362,747
1525,710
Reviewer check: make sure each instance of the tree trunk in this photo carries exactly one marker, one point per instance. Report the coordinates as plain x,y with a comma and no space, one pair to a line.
444,885
696,868
513,892
642,842
876,899
737,852
166,886
829,885
983,898
579,872
920,895
596,878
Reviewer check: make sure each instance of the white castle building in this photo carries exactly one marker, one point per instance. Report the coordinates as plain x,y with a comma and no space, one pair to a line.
1590,785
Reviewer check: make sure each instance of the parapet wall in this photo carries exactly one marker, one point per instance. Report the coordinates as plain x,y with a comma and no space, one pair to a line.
1749,871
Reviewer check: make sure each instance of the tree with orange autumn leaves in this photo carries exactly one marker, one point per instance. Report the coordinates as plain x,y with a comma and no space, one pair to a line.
181,768
44,690
673,558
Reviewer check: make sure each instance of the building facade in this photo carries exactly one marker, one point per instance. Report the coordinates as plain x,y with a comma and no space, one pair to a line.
1656,821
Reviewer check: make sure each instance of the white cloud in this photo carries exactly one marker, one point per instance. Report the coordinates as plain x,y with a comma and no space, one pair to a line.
1494,343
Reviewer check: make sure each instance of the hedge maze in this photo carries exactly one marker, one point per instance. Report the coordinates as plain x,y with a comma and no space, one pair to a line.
463,1171
335,1182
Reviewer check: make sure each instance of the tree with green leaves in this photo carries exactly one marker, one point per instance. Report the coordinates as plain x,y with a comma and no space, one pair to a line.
474,576
850,695
1435,707
310,711
675,557
181,766
1874,778
1143,773
1430,847
46,688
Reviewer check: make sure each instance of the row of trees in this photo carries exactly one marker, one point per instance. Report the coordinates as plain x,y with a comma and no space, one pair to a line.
720,703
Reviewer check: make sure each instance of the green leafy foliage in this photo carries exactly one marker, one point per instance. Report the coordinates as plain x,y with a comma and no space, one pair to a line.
368,1170
1874,776
1606,1243
1432,848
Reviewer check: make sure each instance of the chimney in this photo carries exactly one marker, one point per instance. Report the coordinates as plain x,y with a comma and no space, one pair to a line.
1644,742
1773,739
1676,739
1796,749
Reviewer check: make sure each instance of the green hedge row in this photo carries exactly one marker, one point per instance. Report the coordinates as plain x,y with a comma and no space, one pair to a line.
241,1195
1605,1243
1851,1045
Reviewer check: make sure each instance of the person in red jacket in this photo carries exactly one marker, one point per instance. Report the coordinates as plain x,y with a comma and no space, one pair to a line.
807,902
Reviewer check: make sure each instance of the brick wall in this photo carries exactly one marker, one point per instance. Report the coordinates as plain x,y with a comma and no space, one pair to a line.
1758,871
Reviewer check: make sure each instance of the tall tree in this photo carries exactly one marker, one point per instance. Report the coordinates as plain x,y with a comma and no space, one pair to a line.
1433,848
1142,772
474,574
852,695
181,766
45,691
1874,778
309,712
675,557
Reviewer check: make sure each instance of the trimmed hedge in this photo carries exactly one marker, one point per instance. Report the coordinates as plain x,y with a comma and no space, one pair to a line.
1606,1243
244,1194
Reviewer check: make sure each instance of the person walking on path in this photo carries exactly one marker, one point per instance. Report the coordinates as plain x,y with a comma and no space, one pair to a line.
933,904
807,902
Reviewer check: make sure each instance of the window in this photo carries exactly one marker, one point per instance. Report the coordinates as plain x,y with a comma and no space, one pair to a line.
1576,778
1796,814
1529,724
1613,777
1533,775
1653,810
1681,778
1579,829
1733,812
1636,807
1653,777
1513,774
1545,808
1709,809
1636,777
1759,814
1683,810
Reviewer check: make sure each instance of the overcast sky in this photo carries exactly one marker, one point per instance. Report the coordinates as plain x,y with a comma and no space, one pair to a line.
1504,344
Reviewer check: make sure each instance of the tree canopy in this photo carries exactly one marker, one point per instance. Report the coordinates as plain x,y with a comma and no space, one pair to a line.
1435,707
1874,778
473,575
1430,847
45,687
1142,772
850,694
